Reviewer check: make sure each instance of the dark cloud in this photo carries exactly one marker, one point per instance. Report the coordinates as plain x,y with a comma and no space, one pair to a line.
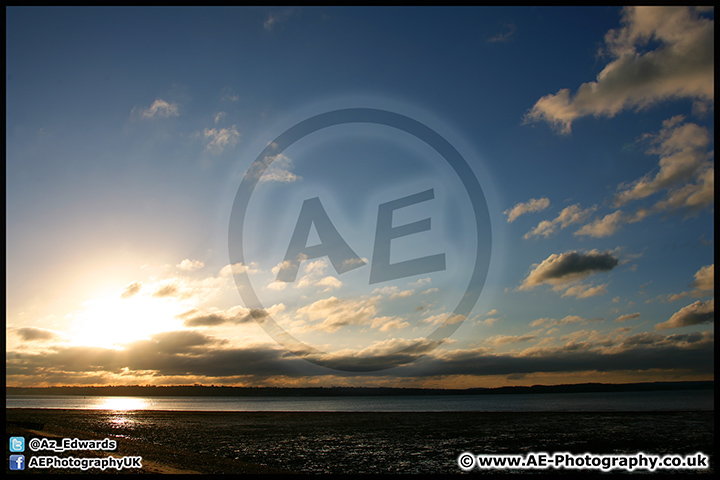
31,334
235,315
568,267
696,313
694,353
192,354
183,341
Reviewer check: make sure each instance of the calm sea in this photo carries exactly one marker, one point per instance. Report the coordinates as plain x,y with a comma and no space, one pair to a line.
689,400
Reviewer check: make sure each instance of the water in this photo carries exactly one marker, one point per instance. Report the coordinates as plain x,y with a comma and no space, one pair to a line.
688,400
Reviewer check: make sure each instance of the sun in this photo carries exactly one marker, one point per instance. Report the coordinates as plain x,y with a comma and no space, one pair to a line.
112,322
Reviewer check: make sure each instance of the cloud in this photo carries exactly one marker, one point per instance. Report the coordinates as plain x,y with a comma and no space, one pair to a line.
131,290
313,276
190,265
386,324
381,355
218,139
705,278
694,314
605,226
703,284
194,355
331,314
166,290
683,159
585,291
235,315
394,292
505,36
628,316
180,353
236,268
693,352
659,54
500,340
273,168
329,282
568,216
161,108
275,18
685,175
568,267
534,205
278,170
32,334
567,320
176,342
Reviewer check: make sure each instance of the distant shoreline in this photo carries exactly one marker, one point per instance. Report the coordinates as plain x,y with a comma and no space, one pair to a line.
228,391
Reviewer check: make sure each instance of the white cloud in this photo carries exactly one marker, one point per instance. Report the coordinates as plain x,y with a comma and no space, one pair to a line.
705,278
604,227
552,322
233,269
161,108
626,317
278,170
704,284
331,314
585,291
683,158
221,138
568,216
534,205
329,283
500,340
681,66
190,265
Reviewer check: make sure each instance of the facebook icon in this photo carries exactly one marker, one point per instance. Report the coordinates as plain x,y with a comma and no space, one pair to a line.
17,462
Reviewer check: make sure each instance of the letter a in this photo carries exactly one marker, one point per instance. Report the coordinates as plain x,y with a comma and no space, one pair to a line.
332,245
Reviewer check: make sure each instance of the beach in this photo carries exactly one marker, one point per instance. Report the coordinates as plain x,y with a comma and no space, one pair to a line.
358,442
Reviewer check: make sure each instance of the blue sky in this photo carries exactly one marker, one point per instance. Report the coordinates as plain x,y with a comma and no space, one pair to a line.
130,130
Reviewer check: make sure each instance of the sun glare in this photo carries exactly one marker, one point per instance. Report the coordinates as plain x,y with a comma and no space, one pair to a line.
123,403
113,322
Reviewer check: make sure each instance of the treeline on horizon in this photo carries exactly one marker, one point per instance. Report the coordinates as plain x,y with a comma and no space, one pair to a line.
232,391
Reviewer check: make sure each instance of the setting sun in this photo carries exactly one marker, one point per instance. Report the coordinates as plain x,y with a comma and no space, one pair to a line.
113,322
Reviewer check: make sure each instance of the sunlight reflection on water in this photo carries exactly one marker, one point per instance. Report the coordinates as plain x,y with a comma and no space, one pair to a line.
122,403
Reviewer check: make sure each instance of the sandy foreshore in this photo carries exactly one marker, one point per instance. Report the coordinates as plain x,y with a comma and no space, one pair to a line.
156,458
359,442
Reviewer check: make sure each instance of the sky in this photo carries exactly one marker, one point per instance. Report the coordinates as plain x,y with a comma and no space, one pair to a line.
407,197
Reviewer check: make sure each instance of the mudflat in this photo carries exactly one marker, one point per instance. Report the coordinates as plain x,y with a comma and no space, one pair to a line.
357,442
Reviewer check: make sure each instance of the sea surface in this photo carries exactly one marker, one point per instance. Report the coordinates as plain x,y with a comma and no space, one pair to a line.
687,400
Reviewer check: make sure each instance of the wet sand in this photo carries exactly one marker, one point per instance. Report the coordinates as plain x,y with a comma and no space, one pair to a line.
360,442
